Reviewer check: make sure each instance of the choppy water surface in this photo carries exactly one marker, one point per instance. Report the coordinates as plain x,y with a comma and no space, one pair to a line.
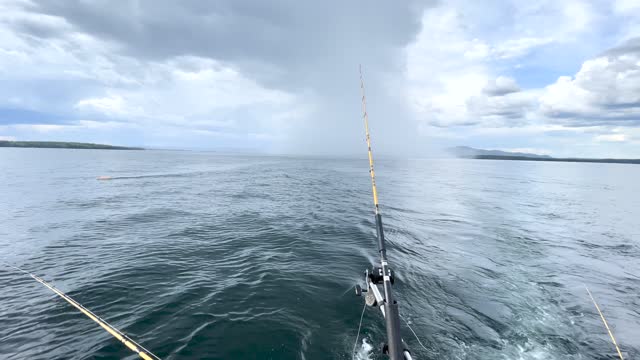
199,255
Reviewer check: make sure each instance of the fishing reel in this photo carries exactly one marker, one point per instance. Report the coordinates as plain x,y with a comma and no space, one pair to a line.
370,297
358,288
373,298
372,278
377,277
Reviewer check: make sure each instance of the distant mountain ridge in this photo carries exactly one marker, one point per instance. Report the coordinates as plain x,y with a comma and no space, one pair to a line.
466,152
472,153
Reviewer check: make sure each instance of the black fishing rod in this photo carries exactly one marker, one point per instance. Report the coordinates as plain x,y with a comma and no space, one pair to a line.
395,347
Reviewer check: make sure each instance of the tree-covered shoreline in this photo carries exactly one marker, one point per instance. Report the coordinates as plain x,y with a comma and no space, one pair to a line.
63,145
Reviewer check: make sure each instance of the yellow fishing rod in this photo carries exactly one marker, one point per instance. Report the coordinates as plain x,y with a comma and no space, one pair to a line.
606,325
395,348
122,337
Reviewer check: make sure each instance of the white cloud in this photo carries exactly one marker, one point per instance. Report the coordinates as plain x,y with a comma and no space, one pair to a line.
444,68
579,13
606,88
533,130
451,81
181,93
502,85
626,7
462,87
40,128
192,90
510,109
100,125
452,66
515,48
112,105
537,151
612,138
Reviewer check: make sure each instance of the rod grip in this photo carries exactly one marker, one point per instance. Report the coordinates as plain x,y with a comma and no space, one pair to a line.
396,347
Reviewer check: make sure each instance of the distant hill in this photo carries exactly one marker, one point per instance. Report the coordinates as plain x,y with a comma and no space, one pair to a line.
471,153
63,145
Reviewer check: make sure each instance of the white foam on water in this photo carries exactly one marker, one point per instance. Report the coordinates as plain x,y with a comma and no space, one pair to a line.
528,351
536,352
364,352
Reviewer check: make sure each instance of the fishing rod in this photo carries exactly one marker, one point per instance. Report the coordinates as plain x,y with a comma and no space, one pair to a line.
395,348
122,337
606,325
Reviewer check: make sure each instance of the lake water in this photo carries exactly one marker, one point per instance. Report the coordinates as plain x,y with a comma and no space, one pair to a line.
202,255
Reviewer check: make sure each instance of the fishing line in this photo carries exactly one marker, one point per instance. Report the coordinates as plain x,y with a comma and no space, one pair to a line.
353,352
122,337
605,323
414,333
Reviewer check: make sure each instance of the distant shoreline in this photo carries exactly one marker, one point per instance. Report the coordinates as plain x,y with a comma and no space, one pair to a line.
63,145
528,158
466,152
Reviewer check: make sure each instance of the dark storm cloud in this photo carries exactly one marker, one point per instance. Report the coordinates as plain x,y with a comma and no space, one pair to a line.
629,46
313,48
299,41
39,28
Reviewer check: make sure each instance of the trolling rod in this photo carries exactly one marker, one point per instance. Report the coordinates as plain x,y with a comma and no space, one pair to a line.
122,337
395,348
606,325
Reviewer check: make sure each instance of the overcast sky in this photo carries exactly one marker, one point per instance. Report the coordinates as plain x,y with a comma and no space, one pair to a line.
552,77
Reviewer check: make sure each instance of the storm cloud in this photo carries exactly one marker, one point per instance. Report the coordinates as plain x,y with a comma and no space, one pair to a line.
309,52
282,76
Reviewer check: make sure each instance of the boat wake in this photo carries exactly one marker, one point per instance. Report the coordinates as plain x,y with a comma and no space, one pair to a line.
364,352
127,177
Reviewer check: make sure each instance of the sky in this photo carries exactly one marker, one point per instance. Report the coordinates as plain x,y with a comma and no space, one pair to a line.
551,77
